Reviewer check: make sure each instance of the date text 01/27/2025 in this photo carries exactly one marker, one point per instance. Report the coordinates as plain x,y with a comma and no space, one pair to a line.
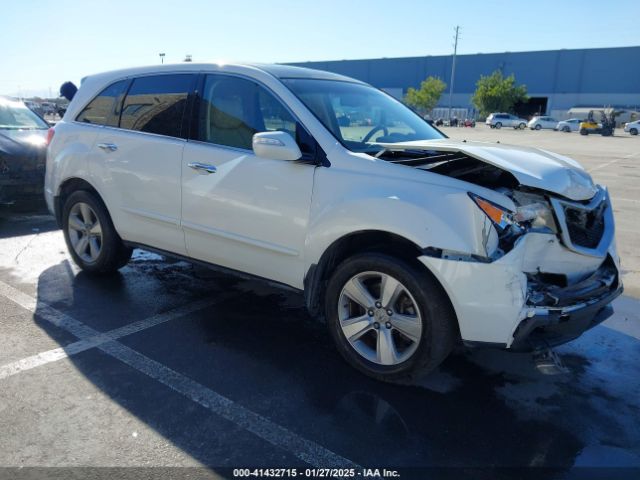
314,473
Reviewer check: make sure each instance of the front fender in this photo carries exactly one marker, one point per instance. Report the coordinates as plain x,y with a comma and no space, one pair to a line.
426,214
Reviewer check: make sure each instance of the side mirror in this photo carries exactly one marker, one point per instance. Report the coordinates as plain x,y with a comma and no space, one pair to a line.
276,146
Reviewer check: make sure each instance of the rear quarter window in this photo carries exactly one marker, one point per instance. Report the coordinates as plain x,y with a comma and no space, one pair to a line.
157,104
103,109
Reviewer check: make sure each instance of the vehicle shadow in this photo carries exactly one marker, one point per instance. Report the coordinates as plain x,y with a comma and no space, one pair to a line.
258,347
15,224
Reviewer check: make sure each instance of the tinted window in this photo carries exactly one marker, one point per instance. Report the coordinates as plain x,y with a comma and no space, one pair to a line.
102,110
233,109
156,104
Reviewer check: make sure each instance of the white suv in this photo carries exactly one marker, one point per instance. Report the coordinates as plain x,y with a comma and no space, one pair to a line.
499,120
403,240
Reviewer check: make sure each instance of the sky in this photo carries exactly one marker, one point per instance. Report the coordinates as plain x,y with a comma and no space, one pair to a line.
44,42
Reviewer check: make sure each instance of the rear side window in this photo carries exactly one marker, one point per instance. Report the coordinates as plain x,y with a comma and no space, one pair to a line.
103,110
156,104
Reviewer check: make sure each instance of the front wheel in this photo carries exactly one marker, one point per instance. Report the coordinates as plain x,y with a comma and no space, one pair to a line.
498,125
583,131
90,235
633,131
389,319
538,127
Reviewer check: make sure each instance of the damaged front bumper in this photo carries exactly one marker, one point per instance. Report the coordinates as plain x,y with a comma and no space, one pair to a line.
539,294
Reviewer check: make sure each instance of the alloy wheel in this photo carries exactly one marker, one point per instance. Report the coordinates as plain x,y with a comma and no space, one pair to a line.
85,232
379,318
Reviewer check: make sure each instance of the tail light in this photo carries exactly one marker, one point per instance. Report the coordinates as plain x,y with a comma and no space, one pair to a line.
50,134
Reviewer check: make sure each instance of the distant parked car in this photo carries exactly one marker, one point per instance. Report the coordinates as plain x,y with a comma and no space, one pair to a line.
539,122
34,107
632,127
571,125
499,120
23,139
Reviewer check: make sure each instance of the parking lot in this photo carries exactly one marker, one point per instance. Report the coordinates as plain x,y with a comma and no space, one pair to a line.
173,365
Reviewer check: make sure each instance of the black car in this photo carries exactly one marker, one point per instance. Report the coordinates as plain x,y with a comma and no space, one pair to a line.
23,144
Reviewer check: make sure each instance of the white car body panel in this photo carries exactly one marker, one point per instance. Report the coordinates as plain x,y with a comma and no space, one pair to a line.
635,126
250,215
543,122
531,166
486,297
276,219
573,125
140,182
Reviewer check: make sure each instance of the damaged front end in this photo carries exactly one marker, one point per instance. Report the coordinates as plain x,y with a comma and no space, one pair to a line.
552,270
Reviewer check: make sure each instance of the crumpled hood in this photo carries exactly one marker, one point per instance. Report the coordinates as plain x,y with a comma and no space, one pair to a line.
532,167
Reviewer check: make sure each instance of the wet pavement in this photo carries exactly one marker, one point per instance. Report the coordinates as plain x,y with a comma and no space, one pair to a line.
231,373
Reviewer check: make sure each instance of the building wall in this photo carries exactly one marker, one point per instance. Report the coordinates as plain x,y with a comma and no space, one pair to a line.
568,78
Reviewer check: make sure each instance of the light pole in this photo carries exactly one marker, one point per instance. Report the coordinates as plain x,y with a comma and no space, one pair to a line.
453,69
161,57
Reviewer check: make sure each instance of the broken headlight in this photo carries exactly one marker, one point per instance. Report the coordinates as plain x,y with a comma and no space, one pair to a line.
532,211
500,216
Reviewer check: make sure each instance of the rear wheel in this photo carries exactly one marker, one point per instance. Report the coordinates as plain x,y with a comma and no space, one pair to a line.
388,319
522,126
90,235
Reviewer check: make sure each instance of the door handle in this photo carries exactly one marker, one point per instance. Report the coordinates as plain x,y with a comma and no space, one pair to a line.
108,147
202,168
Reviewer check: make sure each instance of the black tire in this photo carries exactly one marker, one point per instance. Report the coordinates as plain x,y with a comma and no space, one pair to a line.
566,129
113,253
522,126
538,127
584,131
439,324
633,131
498,125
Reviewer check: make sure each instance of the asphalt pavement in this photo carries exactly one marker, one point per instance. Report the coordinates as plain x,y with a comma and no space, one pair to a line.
167,364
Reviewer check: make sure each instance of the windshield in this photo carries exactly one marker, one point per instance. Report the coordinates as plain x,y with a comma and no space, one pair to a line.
16,116
359,116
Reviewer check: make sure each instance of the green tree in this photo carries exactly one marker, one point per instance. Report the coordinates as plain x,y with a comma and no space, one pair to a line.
497,93
426,97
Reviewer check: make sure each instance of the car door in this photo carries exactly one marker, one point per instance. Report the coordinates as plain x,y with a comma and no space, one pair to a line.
139,163
239,210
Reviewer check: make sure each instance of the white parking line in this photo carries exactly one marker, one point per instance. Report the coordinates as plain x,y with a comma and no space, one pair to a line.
626,157
56,354
277,435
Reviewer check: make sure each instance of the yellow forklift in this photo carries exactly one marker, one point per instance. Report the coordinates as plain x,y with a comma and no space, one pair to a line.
607,124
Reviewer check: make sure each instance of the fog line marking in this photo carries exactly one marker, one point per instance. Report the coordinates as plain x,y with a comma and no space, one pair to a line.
277,435
74,348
